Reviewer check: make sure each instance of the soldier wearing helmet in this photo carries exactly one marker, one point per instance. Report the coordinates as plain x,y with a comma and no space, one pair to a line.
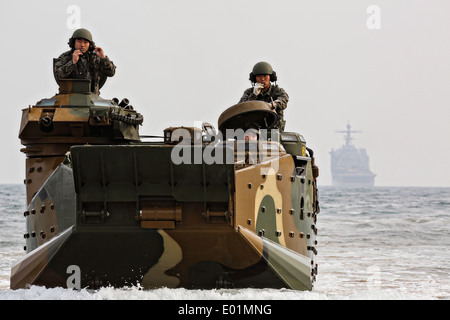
262,77
84,61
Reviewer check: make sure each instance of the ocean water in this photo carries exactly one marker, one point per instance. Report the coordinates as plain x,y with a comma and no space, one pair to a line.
389,243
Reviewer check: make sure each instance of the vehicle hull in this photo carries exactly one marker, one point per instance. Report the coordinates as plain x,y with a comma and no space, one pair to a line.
194,259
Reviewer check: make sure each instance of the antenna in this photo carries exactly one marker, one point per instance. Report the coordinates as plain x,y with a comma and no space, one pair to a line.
348,136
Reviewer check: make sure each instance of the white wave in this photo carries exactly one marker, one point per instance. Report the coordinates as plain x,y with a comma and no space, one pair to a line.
136,293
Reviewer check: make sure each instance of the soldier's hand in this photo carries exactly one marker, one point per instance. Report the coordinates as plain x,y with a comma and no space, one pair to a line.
99,52
257,88
76,56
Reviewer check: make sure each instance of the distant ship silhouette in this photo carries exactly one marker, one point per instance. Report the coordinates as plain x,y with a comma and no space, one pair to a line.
349,165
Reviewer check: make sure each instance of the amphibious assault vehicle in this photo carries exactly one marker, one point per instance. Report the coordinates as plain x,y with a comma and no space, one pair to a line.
195,208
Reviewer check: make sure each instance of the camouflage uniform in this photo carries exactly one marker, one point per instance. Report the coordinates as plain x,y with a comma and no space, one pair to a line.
274,95
89,66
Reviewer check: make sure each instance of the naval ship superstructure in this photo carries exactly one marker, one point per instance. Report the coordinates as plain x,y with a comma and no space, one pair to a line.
350,165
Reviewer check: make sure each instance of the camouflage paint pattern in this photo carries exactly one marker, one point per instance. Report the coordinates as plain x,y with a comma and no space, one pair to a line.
123,213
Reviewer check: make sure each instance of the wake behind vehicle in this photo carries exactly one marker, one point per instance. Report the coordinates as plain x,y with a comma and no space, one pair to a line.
197,208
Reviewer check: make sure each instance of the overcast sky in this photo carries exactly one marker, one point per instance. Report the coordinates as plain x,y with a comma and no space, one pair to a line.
382,66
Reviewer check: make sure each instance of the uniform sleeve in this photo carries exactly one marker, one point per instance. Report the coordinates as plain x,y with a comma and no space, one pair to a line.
281,100
107,67
247,95
64,66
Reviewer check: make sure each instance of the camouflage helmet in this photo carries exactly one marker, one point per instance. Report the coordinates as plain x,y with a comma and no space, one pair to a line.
263,68
83,34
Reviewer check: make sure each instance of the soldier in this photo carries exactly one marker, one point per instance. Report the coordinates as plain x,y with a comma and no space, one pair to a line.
262,89
84,61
